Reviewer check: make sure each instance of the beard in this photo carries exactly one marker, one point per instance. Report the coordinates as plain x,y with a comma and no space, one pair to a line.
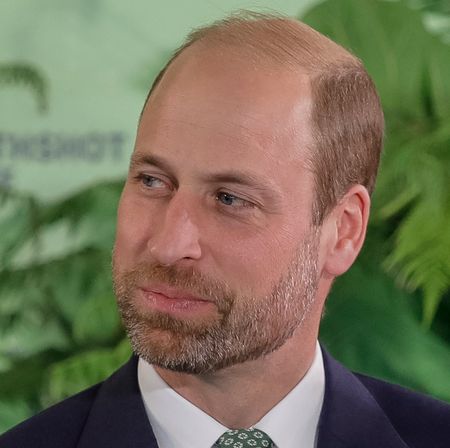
245,327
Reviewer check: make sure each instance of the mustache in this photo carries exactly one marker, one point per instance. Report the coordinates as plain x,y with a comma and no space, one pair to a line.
187,279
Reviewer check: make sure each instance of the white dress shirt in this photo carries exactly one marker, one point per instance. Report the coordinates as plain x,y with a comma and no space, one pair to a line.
177,423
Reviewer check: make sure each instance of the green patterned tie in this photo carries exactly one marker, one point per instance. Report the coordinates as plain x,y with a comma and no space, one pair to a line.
244,438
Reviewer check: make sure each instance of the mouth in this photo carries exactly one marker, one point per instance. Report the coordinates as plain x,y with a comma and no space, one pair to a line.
167,299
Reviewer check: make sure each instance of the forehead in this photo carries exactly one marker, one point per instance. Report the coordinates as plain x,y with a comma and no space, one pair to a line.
218,101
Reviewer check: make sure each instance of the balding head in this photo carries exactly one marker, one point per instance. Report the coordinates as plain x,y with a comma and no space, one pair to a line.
346,115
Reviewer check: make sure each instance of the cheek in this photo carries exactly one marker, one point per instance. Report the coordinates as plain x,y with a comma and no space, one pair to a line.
255,264
133,226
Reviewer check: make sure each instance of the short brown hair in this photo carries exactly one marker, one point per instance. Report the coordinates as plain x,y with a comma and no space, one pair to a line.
347,118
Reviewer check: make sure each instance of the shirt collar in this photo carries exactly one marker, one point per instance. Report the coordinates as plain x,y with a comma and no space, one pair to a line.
293,421
177,423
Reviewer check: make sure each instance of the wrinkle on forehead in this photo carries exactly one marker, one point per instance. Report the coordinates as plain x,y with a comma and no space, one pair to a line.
236,124
225,96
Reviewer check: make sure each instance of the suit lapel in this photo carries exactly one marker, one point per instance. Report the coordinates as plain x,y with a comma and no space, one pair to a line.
350,415
118,417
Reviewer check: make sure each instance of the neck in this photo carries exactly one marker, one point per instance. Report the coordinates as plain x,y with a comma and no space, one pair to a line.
240,395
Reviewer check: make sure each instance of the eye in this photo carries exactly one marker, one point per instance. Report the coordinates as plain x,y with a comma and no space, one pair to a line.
231,200
151,181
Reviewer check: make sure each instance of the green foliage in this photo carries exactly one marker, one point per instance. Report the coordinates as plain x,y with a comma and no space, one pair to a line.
370,326
59,327
436,15
97,321
416,185
73,374
57,309
411,69
11,412
17,218
442,6
403,58
26,75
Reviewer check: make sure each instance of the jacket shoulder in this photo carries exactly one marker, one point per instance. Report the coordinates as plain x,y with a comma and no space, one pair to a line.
421,421
58,426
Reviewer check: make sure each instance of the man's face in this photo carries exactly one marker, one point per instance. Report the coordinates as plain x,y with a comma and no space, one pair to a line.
216,261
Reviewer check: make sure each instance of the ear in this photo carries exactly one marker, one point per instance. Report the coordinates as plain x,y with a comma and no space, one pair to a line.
344,230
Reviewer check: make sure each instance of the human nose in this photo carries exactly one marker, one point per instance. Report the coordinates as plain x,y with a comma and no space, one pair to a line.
177,238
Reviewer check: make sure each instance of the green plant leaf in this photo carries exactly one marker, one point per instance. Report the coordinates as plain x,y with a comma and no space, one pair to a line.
80,371
12,413
397,50
410,68
27,75
18,221
97,321
370,327
59,286
84,220
30,333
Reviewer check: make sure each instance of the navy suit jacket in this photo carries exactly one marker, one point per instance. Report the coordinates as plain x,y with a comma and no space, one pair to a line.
358,412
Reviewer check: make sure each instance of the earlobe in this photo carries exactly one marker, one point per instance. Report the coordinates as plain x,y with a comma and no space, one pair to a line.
347,229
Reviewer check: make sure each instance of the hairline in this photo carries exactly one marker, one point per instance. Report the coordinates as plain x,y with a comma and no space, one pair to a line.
317,71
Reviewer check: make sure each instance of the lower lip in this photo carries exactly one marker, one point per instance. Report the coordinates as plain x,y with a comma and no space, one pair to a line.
160,302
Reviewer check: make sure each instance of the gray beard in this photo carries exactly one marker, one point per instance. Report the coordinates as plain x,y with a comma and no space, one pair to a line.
243,329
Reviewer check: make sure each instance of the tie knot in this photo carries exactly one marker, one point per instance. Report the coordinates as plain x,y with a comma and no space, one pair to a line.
244,438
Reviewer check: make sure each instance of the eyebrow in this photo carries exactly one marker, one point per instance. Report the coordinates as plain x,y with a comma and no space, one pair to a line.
228,177
138,160
237,177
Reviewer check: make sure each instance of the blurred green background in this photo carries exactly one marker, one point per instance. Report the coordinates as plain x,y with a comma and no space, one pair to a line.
73,77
